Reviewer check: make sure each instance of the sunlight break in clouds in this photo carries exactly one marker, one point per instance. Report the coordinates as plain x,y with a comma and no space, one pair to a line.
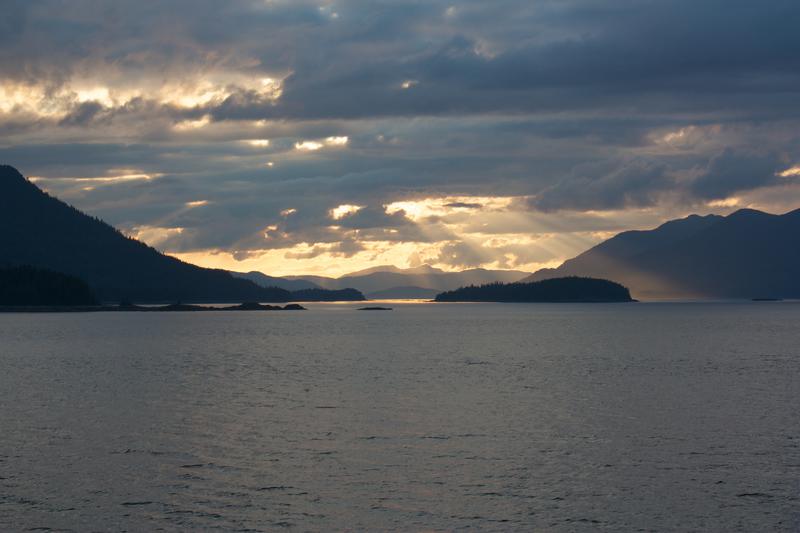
417,209
120,178
185,125
344,210
258,143
790,172
311,146
308,146
155,236
123,95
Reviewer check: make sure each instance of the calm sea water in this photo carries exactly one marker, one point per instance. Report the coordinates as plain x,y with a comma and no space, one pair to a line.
622,417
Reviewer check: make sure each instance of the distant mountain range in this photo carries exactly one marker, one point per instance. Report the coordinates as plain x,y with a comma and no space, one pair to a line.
390,282
409,281
747,254
264,280
44,232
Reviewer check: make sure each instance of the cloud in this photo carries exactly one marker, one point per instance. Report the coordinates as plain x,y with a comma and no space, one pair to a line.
373,217
464,205
451,125
463,254
733,171
591,187
345,248
82,114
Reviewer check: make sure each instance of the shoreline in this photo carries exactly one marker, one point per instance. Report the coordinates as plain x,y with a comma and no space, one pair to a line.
171,308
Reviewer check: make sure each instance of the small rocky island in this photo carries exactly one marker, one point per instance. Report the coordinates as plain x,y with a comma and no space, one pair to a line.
557,290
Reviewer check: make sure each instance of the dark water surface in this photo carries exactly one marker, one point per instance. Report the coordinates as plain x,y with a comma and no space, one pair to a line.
665,417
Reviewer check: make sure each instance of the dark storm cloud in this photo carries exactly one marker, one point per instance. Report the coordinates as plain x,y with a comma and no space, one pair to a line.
734,171
374,217
631,184
549,55
575,55
574,105
82,114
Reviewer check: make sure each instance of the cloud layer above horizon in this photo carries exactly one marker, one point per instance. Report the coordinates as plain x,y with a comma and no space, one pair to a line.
298,137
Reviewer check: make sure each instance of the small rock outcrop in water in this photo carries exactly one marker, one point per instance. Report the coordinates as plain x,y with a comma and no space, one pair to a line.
375,309
572,289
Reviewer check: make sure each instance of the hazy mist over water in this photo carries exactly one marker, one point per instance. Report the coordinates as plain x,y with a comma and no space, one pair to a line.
498,417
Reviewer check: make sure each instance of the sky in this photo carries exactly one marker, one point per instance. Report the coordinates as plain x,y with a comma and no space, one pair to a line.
299,137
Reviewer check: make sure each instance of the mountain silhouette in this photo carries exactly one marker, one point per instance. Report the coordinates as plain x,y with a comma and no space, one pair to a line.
28,286
263,280
44,232
747,254
382,278
422,269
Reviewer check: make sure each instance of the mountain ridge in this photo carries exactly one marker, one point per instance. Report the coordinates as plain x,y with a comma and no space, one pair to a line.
746,254
265,280
41,231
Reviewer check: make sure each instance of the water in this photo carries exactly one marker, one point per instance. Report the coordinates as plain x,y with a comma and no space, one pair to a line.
668,417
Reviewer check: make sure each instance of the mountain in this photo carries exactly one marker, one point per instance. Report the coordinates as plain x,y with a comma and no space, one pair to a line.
28,286
319,281
424,269
327,295
555,290
44,232
747,254
425,277
404,293
262,280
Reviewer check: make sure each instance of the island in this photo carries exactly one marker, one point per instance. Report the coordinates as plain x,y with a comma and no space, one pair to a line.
556,290
374,308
